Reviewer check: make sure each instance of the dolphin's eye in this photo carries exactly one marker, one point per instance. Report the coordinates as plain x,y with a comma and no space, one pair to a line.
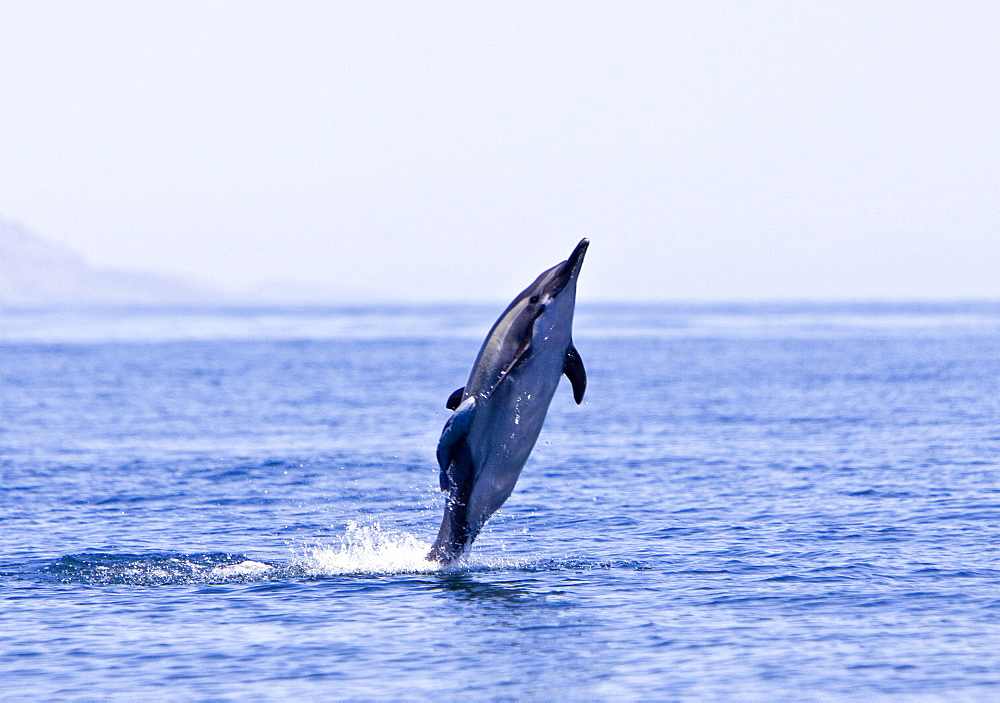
533,300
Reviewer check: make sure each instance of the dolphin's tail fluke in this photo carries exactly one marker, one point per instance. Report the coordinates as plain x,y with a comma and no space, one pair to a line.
458,478
455,534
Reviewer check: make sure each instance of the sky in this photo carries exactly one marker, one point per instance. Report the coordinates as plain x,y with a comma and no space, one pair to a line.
452,150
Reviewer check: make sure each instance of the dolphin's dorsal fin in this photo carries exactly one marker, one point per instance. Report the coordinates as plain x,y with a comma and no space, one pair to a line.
455,399
453,435
577,375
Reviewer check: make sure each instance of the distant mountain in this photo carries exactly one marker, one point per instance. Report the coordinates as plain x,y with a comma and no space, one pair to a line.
35,271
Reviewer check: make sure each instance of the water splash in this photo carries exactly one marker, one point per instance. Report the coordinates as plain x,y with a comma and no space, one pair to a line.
368,549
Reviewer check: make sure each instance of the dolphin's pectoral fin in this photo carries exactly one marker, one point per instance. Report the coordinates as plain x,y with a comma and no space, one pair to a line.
453,435
455,399
577,375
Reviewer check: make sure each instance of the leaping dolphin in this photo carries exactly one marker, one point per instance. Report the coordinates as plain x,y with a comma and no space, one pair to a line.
500,410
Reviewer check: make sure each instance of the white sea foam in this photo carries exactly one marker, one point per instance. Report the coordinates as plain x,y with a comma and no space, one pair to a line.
243,569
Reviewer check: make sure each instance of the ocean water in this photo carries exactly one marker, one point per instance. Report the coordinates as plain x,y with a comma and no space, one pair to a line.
786,502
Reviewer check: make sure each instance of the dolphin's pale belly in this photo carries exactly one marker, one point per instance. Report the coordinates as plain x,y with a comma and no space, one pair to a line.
505,430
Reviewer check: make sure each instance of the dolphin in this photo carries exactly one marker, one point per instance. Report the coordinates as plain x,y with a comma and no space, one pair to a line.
500,410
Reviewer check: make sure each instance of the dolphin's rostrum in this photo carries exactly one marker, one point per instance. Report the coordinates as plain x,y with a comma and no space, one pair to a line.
500,411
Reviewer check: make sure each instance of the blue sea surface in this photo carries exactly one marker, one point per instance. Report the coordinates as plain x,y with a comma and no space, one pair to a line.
754,502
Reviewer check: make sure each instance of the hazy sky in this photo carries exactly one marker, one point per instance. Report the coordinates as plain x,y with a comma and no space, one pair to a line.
452,150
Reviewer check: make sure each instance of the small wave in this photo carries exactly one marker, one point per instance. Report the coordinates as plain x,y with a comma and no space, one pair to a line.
363,550
156,569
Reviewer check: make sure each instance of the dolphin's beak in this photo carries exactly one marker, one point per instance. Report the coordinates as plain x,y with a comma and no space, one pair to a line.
567,270
575,260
